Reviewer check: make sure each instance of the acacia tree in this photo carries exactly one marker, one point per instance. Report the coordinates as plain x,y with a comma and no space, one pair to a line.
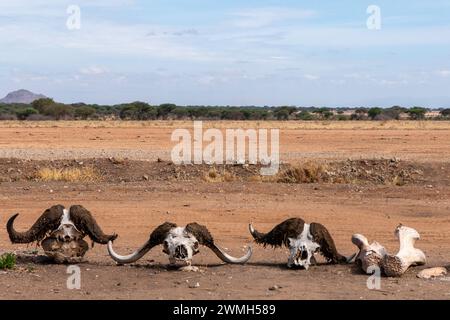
417,113
374,112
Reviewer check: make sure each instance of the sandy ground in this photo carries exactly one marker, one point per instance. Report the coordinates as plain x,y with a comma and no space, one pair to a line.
132,209
418,141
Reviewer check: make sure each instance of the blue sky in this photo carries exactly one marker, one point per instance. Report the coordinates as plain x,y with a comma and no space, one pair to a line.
233,52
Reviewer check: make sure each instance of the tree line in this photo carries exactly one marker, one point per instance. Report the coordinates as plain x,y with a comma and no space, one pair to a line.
48,109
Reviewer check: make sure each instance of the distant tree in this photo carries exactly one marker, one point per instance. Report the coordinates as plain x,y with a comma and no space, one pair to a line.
165,109
374,112
180,113
58,111
42,104
305,115
23,114
417,113
281,114
324,113
232,114
137,111
84,112
445,113
394,112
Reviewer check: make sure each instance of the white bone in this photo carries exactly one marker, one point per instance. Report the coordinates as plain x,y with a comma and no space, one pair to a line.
304,242
392,265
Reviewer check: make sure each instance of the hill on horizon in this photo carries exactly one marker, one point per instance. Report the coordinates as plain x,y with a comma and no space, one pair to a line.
21,96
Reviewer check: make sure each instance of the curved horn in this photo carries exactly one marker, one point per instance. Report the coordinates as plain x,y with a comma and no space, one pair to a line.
328,249
360,241
85,222
48,221
203,236
280,234
156,238
230,259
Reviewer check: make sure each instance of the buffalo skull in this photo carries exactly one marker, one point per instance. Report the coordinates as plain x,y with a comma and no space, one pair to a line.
374,255
303,240
180,244
60,232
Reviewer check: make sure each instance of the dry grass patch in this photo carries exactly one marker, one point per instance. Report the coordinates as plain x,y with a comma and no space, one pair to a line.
85,174
308,172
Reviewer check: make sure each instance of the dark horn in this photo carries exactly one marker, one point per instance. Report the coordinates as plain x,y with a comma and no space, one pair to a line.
47,222
327,247
85,222
280,234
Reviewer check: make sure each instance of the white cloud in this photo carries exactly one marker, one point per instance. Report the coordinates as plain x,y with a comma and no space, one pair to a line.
49,8
311,77
93,70
444,73
261,17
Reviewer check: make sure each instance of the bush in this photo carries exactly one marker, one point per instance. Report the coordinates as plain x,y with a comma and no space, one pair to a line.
42,104
305,115
7,261
25,113
165,109
306,173
84,112
445,113
374,112
7,116
39,117
417,113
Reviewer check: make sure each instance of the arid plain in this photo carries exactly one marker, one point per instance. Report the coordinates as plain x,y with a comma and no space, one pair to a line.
400,173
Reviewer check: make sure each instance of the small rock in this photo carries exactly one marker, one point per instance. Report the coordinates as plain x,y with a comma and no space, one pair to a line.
432,273
145,177
195,285
189,269
274,288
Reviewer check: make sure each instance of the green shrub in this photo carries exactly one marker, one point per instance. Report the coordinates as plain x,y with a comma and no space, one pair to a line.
7,261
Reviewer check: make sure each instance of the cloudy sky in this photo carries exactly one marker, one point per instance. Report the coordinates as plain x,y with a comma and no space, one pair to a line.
229,52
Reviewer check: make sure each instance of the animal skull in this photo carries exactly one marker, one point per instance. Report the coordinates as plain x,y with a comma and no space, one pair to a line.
66,231
180,244
303,240
302,249
61,232
375,255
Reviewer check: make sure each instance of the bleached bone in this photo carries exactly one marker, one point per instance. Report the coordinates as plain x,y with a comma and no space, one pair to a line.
369,255
180,244
304,240
374,254
60,232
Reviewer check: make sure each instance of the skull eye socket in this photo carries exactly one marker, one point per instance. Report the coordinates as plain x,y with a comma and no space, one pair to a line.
166,247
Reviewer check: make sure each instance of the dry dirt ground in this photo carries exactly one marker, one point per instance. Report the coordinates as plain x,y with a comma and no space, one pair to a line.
132,197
